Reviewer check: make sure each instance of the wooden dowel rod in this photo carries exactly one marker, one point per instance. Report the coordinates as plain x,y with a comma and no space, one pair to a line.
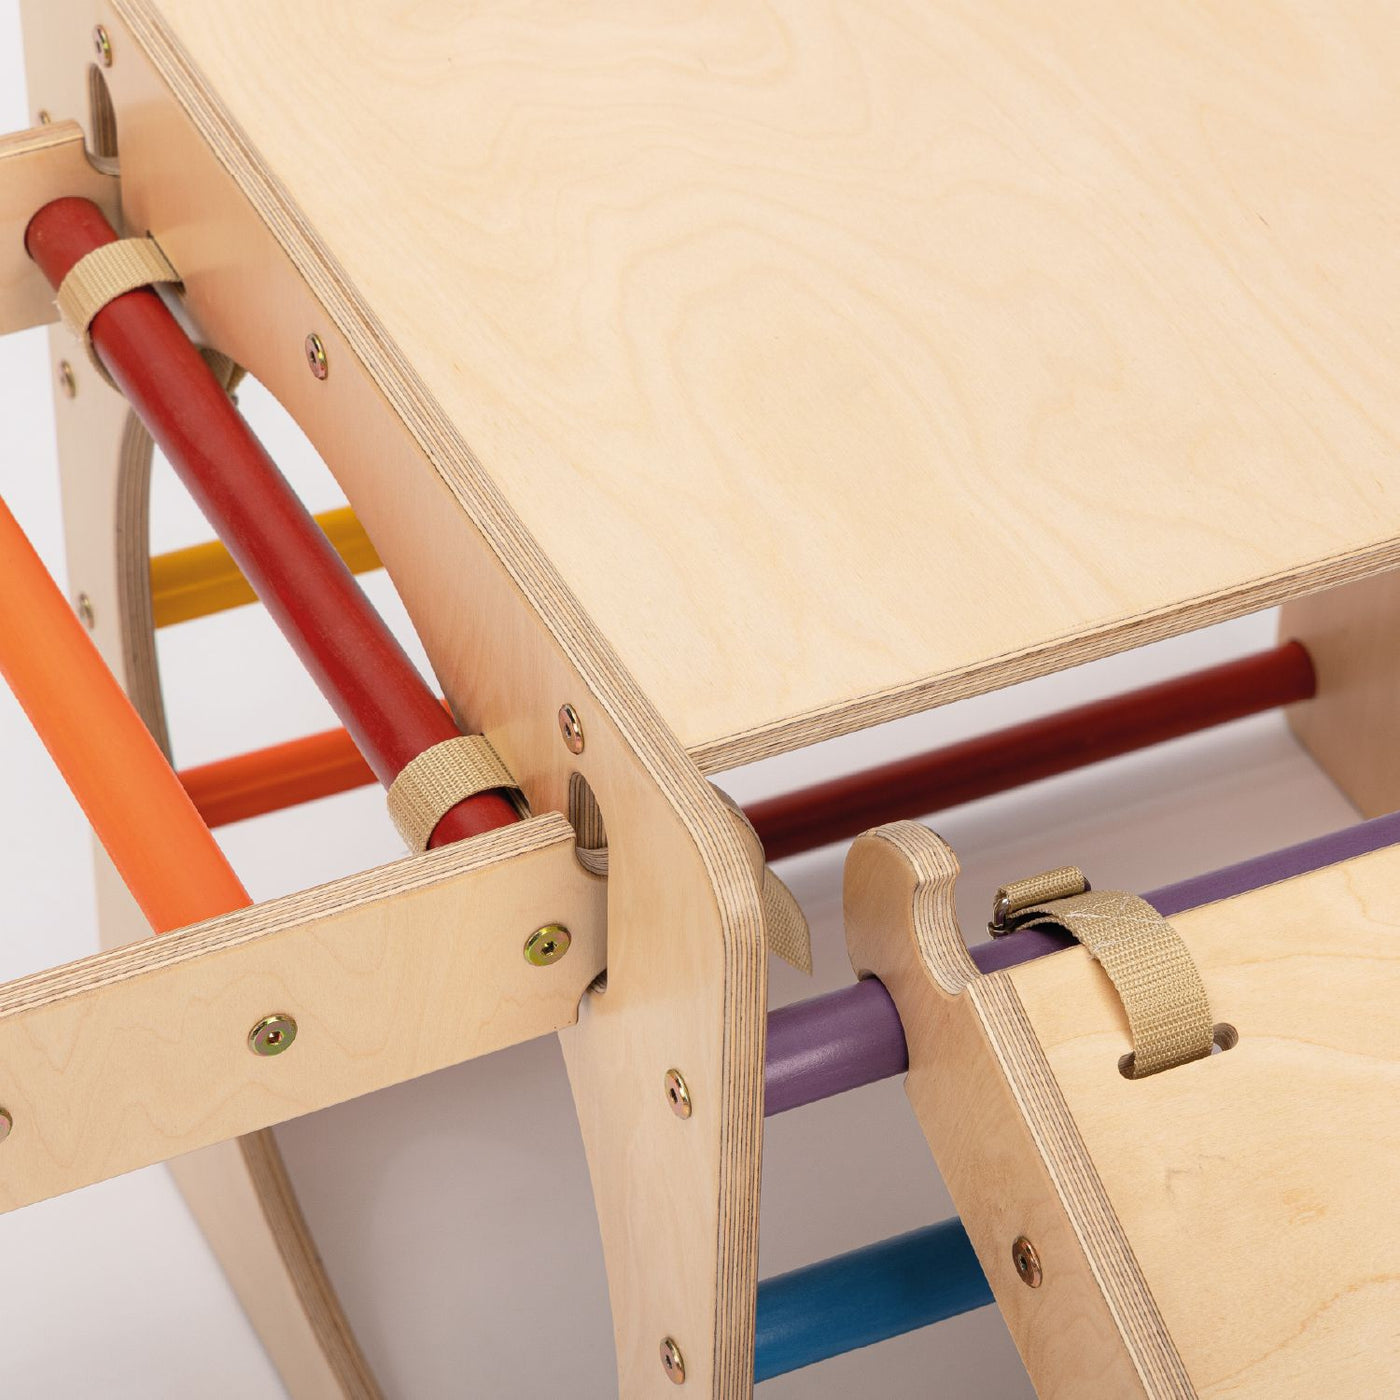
203,579
313,597
282,775
854,1300
1039,748
266,780
136,804
851,1037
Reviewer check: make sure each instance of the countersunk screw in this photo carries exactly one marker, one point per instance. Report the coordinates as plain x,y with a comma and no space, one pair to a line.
272,1035
316,356
672,1362
570,728
67,380
102,43
85,611
6,1123
547,945
678,1094
1027,1261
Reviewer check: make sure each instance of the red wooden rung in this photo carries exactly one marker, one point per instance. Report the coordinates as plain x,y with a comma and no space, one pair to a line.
379,697
1039,748
269,779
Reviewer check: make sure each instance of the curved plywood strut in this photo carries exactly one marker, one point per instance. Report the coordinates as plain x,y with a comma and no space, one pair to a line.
239,1191
691,991
1001,1133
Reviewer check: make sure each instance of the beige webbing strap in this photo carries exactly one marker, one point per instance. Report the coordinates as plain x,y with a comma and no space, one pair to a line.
438,779
789,937
1151,969
784,924
103,275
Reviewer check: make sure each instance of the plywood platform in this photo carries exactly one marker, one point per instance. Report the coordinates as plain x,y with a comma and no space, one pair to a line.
848,357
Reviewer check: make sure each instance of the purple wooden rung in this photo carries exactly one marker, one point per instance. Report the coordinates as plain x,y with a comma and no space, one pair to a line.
839,1041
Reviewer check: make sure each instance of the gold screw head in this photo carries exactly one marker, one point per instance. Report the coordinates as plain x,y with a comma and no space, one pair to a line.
672,1362
6,1123
1027,1262
272,1035
316,359
85,611
67,380
678,1094
547,945
44,118
102,46
571,729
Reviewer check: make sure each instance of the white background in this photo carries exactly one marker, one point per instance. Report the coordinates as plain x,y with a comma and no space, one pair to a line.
454,1213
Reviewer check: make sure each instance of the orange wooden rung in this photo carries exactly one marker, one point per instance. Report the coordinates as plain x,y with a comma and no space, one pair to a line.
130,794
267,780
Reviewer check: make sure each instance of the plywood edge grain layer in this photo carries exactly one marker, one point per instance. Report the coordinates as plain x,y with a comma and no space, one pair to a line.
228,931
1220,1229
999,1130
242,1198
1053,655
838,357
509,644
141,1053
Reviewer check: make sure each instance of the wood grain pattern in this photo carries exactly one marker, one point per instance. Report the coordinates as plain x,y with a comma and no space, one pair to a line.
1351,727
1233,1212
35,167
139,1054
243,1199
508,642
1000,1133
237,1191
826,323
1254,1185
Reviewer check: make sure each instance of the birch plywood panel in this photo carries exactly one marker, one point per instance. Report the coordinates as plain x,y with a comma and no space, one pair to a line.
1253,1186
802,335
1221,1229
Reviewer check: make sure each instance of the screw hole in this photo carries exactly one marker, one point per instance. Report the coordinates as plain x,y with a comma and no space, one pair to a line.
1223,1037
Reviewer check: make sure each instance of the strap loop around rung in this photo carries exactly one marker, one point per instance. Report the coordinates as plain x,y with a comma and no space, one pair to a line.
101,276
438,779
1151,968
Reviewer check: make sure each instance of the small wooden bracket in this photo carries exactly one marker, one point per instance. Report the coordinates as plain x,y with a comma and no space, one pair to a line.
36,166
1220,1228
136,1055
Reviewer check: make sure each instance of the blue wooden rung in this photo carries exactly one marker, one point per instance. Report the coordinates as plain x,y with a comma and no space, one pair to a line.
856,1299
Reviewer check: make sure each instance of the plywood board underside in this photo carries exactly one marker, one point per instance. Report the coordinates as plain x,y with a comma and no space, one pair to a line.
846,358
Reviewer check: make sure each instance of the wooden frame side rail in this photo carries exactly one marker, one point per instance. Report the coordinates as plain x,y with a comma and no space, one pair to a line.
1138,1199
139,1054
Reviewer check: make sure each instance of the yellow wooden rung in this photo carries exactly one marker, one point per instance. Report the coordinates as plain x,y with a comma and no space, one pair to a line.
203,579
